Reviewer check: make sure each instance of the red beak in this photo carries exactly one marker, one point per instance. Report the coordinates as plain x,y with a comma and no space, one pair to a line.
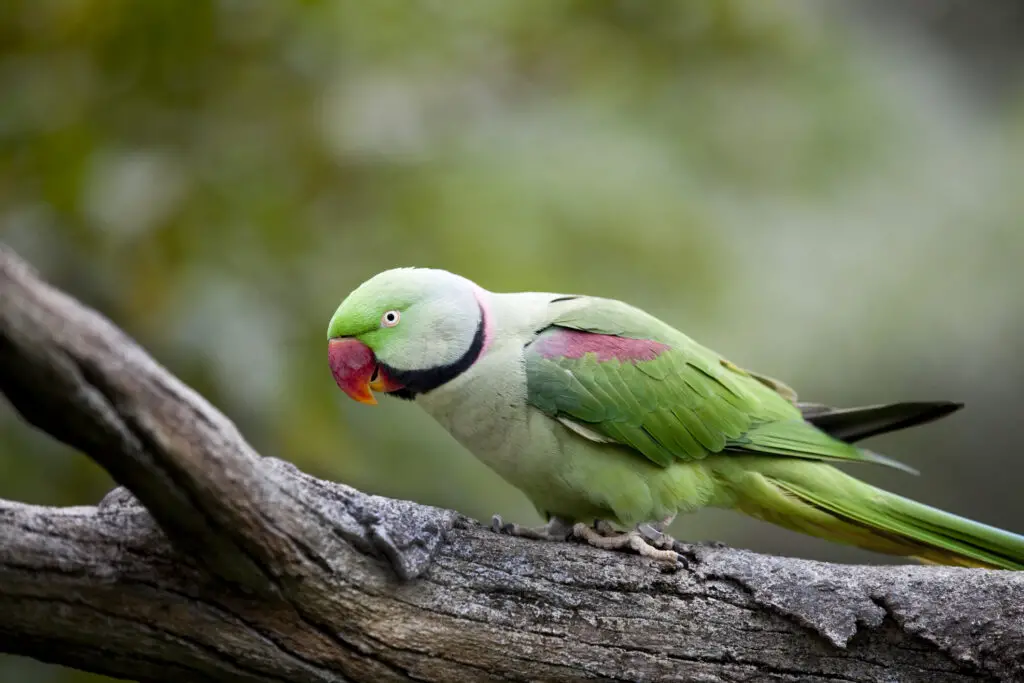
352,364
356,371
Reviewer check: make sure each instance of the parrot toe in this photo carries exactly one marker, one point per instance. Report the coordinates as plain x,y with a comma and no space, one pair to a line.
634,540
555,530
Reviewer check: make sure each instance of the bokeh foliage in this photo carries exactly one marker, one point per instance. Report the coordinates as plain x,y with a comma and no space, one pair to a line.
802,191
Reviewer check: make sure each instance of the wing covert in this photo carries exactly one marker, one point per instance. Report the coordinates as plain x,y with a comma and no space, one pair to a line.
649,387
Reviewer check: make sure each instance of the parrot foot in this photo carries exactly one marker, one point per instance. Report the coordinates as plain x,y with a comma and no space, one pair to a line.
603,536
555,530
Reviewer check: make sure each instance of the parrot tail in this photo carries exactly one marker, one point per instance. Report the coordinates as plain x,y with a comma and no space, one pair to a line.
855,424
820,500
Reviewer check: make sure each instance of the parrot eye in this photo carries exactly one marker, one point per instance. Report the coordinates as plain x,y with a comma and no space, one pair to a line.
390,319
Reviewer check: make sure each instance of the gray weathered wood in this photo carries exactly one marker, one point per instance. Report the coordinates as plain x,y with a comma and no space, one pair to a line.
226,566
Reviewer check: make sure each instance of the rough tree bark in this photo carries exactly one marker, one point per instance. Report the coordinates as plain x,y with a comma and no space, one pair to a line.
221,565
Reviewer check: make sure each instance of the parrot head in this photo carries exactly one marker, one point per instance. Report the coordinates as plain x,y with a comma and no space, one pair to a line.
405,332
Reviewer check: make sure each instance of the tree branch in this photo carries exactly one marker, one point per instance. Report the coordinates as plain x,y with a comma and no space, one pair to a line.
226,566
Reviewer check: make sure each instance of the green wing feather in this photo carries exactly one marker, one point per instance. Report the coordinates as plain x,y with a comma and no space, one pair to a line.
686,403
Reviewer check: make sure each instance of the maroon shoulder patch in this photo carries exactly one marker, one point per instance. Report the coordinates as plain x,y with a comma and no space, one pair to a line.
565,343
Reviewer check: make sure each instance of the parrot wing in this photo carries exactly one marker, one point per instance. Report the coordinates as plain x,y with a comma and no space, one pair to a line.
614,373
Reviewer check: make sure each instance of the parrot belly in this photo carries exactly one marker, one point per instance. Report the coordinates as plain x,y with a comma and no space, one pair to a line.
562,473
589,480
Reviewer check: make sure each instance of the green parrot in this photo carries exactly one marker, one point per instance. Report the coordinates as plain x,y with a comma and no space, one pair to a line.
612,422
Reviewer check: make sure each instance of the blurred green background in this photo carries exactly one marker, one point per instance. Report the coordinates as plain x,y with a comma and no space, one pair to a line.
827,192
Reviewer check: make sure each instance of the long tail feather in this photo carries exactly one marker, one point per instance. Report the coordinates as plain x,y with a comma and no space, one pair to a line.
820,500
855,424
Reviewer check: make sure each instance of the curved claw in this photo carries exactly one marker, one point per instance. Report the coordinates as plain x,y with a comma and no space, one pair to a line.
659,539
498,525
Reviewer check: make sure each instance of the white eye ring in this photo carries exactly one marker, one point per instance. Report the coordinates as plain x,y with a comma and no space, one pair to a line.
390,319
